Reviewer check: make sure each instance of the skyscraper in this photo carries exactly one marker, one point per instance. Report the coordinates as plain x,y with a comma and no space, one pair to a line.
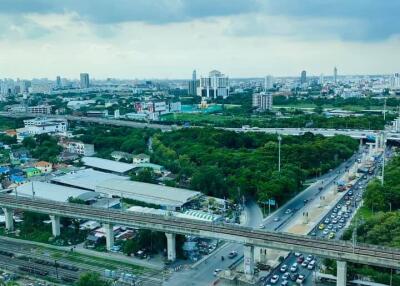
395,81
58,82
85,80
303,78
321,79
193,84
268,82
335,74
215,85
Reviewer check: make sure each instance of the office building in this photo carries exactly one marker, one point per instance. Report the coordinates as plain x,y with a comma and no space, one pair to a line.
303,77
335,75
85,80
58,82
262,101
213,86
395,81
193,84
268,82
39,109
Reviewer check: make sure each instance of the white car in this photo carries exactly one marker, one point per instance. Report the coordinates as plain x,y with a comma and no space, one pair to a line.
293,268
216,271
274,279
283,268
300,279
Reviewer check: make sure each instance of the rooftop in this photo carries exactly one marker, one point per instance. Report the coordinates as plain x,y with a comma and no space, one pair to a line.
148,193
107,165
85,179
53,192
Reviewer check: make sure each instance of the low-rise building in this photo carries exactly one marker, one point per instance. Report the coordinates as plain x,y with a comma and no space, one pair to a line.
39,109
32,172
44,167
140,158
118,155
78,147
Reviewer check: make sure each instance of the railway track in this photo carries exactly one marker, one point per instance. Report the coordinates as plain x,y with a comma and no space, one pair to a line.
237,233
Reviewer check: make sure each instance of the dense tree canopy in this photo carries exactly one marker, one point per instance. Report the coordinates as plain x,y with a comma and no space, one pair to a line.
226,164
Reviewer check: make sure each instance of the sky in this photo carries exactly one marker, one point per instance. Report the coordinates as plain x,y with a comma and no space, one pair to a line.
167,39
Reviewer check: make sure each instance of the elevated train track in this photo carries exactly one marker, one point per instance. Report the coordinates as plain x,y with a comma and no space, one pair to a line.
338,250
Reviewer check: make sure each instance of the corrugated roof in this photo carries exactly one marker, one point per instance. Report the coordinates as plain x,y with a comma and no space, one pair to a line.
85,179
107,165
148,193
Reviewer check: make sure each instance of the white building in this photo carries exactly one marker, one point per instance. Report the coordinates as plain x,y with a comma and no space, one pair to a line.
43,125
395,81
268,82
213,86
80,148
262,101
39,109
76,104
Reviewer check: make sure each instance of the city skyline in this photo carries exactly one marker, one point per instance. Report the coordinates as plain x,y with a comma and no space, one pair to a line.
168,39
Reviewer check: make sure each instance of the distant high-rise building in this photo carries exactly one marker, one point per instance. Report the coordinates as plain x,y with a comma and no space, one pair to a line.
268,82
321,79
395,82
193,84
335,74
85,80
262,101
58,82
213,86
303,77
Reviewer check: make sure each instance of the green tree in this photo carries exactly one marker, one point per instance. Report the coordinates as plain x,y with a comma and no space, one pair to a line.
91,279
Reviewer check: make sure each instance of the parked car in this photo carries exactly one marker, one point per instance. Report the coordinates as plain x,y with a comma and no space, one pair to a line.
274,279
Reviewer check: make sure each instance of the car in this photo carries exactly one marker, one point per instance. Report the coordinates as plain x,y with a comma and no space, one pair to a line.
313,233
304,264
300,279
283,268
294,267
232,254
342,220
335,210
346,215
333,215
216,271
294,276
286,276
310,266
288,211
261,226
339,206
305,201
330,226
340,225
335,221
321,226
300,259
297,254
285,283
331,235
274,279
276,219
325,232
327,220
348,203
309,258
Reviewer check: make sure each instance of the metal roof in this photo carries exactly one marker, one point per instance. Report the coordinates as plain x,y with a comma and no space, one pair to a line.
107,165
85,179
52,191
148,193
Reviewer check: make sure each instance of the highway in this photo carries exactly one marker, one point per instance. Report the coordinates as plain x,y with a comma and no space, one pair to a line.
354,133
339,250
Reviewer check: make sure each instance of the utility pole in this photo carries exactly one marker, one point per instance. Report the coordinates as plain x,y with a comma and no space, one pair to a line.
384,111
279,153
383,158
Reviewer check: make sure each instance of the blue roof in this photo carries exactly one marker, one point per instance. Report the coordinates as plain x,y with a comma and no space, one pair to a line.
17,179
4,170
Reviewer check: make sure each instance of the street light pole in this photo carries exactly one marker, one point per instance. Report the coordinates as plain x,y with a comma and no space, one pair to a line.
279,153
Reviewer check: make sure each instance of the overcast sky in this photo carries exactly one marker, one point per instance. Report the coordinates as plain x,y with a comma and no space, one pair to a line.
169,38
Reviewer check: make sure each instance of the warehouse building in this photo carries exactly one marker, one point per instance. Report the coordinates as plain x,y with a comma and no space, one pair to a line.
167,197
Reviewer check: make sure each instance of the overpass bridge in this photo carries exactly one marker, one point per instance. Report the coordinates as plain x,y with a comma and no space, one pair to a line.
354,133
342,251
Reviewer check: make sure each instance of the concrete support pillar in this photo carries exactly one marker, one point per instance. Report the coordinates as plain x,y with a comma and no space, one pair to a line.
109,235
171,246
361,142
9,218
249,261
341,275
55,225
